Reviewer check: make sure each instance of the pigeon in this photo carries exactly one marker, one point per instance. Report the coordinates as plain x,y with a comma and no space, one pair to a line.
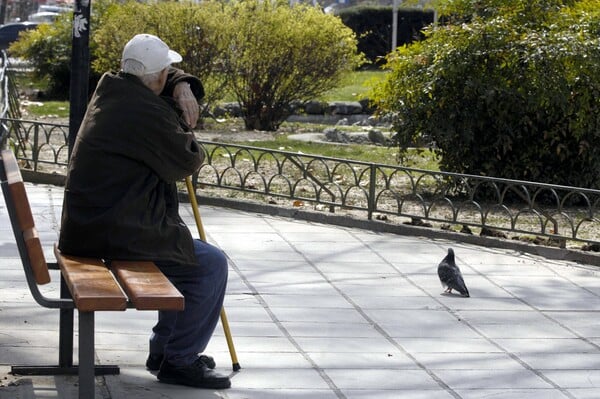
450,275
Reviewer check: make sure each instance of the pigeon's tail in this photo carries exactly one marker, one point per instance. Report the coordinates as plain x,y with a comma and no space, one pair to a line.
462,287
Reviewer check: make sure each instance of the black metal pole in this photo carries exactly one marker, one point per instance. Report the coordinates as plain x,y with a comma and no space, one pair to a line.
80,67
3,11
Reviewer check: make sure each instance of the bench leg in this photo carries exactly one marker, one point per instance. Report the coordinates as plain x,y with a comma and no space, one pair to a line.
65,334
65,348
87,380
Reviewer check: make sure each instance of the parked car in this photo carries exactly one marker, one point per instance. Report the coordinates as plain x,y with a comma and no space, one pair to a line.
52,8
48,13
10,32
43,16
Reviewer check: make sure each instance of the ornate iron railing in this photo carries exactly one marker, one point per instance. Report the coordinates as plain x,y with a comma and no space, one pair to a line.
395,193
9,100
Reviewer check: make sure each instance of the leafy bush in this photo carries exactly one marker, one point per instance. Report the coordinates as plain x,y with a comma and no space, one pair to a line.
513,93
276,54
48,48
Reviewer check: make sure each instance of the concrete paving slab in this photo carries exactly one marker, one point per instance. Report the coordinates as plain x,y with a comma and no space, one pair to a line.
363,360
583,393
307,301
367,302
509,393
466,361
448,345
384,379
541,346
397,394
562,361
587,379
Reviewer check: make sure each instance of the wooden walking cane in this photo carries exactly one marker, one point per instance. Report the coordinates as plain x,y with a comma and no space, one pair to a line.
192,194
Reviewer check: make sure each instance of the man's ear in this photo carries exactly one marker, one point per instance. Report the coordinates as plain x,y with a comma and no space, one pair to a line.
162,80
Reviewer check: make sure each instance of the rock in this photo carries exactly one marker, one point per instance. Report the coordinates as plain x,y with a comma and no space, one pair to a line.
345,107
492,233
591,247
418,222
336,136
314,108
376,137
465,229
228,109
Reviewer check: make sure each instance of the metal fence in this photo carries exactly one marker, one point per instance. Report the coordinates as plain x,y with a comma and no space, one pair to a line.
9,98
395,193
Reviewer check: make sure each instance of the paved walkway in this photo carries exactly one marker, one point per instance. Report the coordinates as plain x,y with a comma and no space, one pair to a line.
326,312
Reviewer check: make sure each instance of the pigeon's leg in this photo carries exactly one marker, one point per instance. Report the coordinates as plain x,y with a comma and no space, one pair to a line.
448,290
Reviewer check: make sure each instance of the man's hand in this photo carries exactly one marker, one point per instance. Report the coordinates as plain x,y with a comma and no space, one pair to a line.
183,96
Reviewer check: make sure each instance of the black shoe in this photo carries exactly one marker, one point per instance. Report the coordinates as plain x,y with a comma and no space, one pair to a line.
153,362
195,375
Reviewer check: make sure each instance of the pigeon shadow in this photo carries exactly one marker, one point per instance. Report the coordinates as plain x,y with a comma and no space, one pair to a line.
453,295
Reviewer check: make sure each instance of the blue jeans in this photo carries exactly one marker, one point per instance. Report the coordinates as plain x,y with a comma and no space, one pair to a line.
181,336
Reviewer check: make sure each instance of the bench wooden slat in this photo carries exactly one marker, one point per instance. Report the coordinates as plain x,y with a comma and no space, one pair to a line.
91,283
146,286
26,225
36,256
22,207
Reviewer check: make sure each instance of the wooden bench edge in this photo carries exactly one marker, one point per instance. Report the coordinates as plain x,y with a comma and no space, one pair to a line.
146,286
92,285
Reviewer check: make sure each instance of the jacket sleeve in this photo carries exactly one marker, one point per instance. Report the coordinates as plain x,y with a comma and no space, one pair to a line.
177,75
172,152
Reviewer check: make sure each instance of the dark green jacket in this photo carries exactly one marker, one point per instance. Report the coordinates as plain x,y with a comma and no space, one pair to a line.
120,196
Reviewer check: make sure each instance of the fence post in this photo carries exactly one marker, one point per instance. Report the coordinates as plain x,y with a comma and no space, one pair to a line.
372,184
35,150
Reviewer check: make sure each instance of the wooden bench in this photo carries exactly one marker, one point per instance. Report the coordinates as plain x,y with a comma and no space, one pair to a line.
86,284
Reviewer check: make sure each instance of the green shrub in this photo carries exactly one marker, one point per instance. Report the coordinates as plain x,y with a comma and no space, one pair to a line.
513,93
276,54
48,48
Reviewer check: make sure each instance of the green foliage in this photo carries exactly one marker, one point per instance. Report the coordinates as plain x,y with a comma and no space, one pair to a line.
276,54
267,54
513,93
518,10
48,48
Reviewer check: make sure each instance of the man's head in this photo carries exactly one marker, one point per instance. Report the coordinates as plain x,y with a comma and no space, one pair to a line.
146,54
148,57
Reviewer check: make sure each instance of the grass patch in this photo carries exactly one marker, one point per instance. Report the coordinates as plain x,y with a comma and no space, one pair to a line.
25,80
418,159
355,152
354,86
58,109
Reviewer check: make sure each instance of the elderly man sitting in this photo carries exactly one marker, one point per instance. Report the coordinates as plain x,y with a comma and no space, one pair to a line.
121,200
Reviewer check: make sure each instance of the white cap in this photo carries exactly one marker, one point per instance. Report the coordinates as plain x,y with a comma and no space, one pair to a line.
151,52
